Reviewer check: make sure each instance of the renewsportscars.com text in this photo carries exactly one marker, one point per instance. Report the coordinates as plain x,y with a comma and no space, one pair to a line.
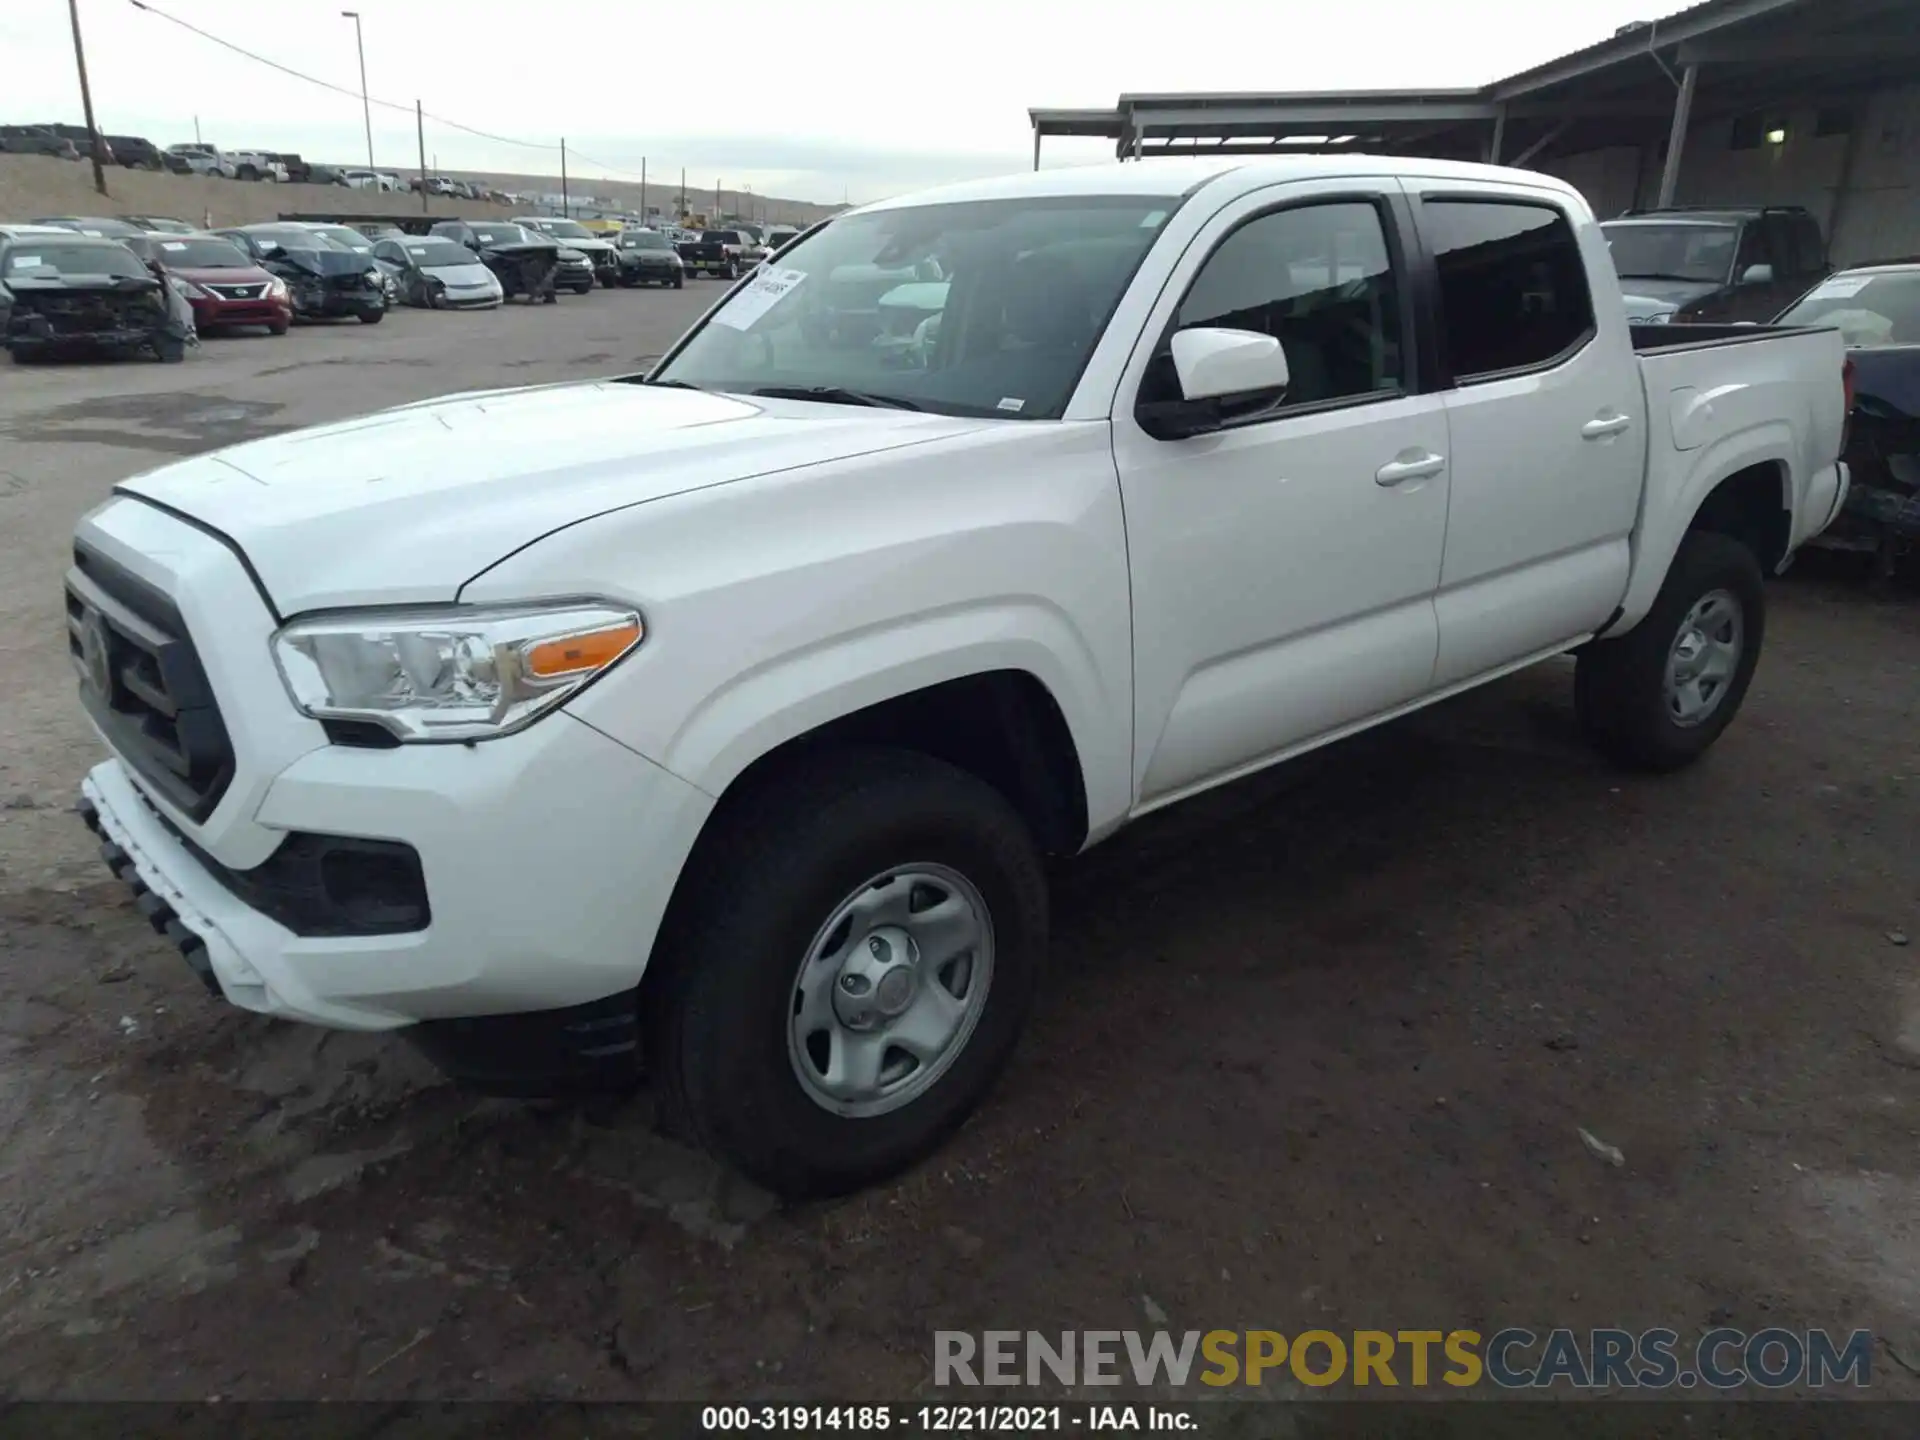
1511,1359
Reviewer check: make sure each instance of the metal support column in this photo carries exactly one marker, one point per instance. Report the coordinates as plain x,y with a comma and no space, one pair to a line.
1677,138
1036,147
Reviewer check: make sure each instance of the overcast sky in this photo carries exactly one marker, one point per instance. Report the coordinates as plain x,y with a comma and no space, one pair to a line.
809,99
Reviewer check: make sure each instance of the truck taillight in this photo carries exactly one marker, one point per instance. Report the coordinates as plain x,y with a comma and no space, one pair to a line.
1846,382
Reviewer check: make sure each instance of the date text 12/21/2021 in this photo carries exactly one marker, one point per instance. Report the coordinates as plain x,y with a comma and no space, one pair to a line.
946,1419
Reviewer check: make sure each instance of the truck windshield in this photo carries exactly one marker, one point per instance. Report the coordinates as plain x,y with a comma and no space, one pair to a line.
1687,251
1879,309
986,307
566,230
644,240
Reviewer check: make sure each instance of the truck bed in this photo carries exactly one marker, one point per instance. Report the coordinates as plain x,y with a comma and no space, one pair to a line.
1651,339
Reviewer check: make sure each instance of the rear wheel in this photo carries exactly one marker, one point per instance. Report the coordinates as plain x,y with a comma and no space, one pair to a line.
1659,696
846,970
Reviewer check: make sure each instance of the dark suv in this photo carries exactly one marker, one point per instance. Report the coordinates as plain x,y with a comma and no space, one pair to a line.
1715,265
37,140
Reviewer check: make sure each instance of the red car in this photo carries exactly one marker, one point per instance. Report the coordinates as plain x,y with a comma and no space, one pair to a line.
223,285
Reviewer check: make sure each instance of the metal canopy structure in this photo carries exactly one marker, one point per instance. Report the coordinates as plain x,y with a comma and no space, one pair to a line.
1645,85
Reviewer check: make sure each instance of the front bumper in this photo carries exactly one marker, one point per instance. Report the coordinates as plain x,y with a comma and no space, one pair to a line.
213,312
565,275
523,919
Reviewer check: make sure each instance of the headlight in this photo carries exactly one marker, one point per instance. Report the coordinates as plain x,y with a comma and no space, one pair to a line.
191,290
276,289
450,674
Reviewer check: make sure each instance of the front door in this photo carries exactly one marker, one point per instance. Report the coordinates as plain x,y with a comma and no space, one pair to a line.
1283,563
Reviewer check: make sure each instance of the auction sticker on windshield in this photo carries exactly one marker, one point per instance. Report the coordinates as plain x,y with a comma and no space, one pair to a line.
1841,287
766,291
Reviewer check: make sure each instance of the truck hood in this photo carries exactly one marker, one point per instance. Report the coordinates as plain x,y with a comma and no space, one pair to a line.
406,505
1665,294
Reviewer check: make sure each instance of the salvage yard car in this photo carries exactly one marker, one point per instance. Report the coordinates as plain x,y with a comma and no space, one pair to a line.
81,294
526,264
724,715
601,252
1719,265
435,273
225,287
721,254
1876,309
647,257
325,280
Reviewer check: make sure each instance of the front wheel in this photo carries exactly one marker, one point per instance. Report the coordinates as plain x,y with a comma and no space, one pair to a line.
372,317
1660,695
680,282
847,969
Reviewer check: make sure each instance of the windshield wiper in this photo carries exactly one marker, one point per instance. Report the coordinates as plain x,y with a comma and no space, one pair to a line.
674,385
1657,275
833,395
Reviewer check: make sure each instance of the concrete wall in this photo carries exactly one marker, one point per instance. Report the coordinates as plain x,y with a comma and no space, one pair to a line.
1877,216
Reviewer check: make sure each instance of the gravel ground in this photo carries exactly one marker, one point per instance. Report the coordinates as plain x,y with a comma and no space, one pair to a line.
1314,1052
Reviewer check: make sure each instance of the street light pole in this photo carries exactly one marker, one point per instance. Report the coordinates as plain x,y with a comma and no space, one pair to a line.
86,99
366,105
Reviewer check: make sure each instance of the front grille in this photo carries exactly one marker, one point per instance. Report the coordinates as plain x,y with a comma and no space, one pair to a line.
142,682
351,283
238,292
84,314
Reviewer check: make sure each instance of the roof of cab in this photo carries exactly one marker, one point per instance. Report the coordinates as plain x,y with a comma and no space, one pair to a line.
1183,176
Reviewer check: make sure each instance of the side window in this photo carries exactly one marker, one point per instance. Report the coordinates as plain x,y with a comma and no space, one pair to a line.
1319,279
1513,285
1753,248
1810,251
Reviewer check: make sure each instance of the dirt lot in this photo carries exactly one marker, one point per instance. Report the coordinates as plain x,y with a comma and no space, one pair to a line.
1313,1052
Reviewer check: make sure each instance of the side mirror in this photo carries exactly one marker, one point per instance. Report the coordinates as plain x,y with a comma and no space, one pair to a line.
1220,374
1214,364
1757,275
272,252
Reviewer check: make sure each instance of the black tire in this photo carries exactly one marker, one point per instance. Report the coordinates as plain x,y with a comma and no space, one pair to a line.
372,317
680,282
246,172
717,1002
1620,685
25,352
169,351
586,289
279,327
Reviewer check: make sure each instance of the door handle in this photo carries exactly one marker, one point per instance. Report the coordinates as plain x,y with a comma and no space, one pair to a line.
1414,465
1602,426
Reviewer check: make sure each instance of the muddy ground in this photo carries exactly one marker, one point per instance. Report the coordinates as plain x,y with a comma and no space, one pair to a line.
1314,1052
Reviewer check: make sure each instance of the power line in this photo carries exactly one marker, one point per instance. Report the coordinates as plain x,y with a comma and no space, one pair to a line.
370,99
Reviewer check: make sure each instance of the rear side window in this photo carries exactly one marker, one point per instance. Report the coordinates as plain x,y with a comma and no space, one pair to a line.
1513,285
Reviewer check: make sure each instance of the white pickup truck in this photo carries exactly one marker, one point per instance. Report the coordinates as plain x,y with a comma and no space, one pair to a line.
723,716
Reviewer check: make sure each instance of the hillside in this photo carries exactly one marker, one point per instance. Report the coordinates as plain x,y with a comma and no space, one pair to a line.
38,185
663,192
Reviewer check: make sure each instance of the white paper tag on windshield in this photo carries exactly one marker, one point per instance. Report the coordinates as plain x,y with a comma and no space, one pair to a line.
1841,287
27,262
765,292
173,244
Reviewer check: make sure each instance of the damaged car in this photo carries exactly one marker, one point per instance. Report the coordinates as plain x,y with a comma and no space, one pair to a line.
80,294
527,265
325,280
434,273
1876,309
223,286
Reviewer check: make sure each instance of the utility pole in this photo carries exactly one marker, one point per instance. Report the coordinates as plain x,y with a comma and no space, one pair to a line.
196,129
566,206
366,105
420,127
643,189
716,199
86,99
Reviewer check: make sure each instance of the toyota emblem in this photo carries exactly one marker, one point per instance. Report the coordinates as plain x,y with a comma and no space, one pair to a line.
95,658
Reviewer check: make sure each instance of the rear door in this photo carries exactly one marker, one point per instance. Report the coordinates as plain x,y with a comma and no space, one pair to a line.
1546,422
1283,562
